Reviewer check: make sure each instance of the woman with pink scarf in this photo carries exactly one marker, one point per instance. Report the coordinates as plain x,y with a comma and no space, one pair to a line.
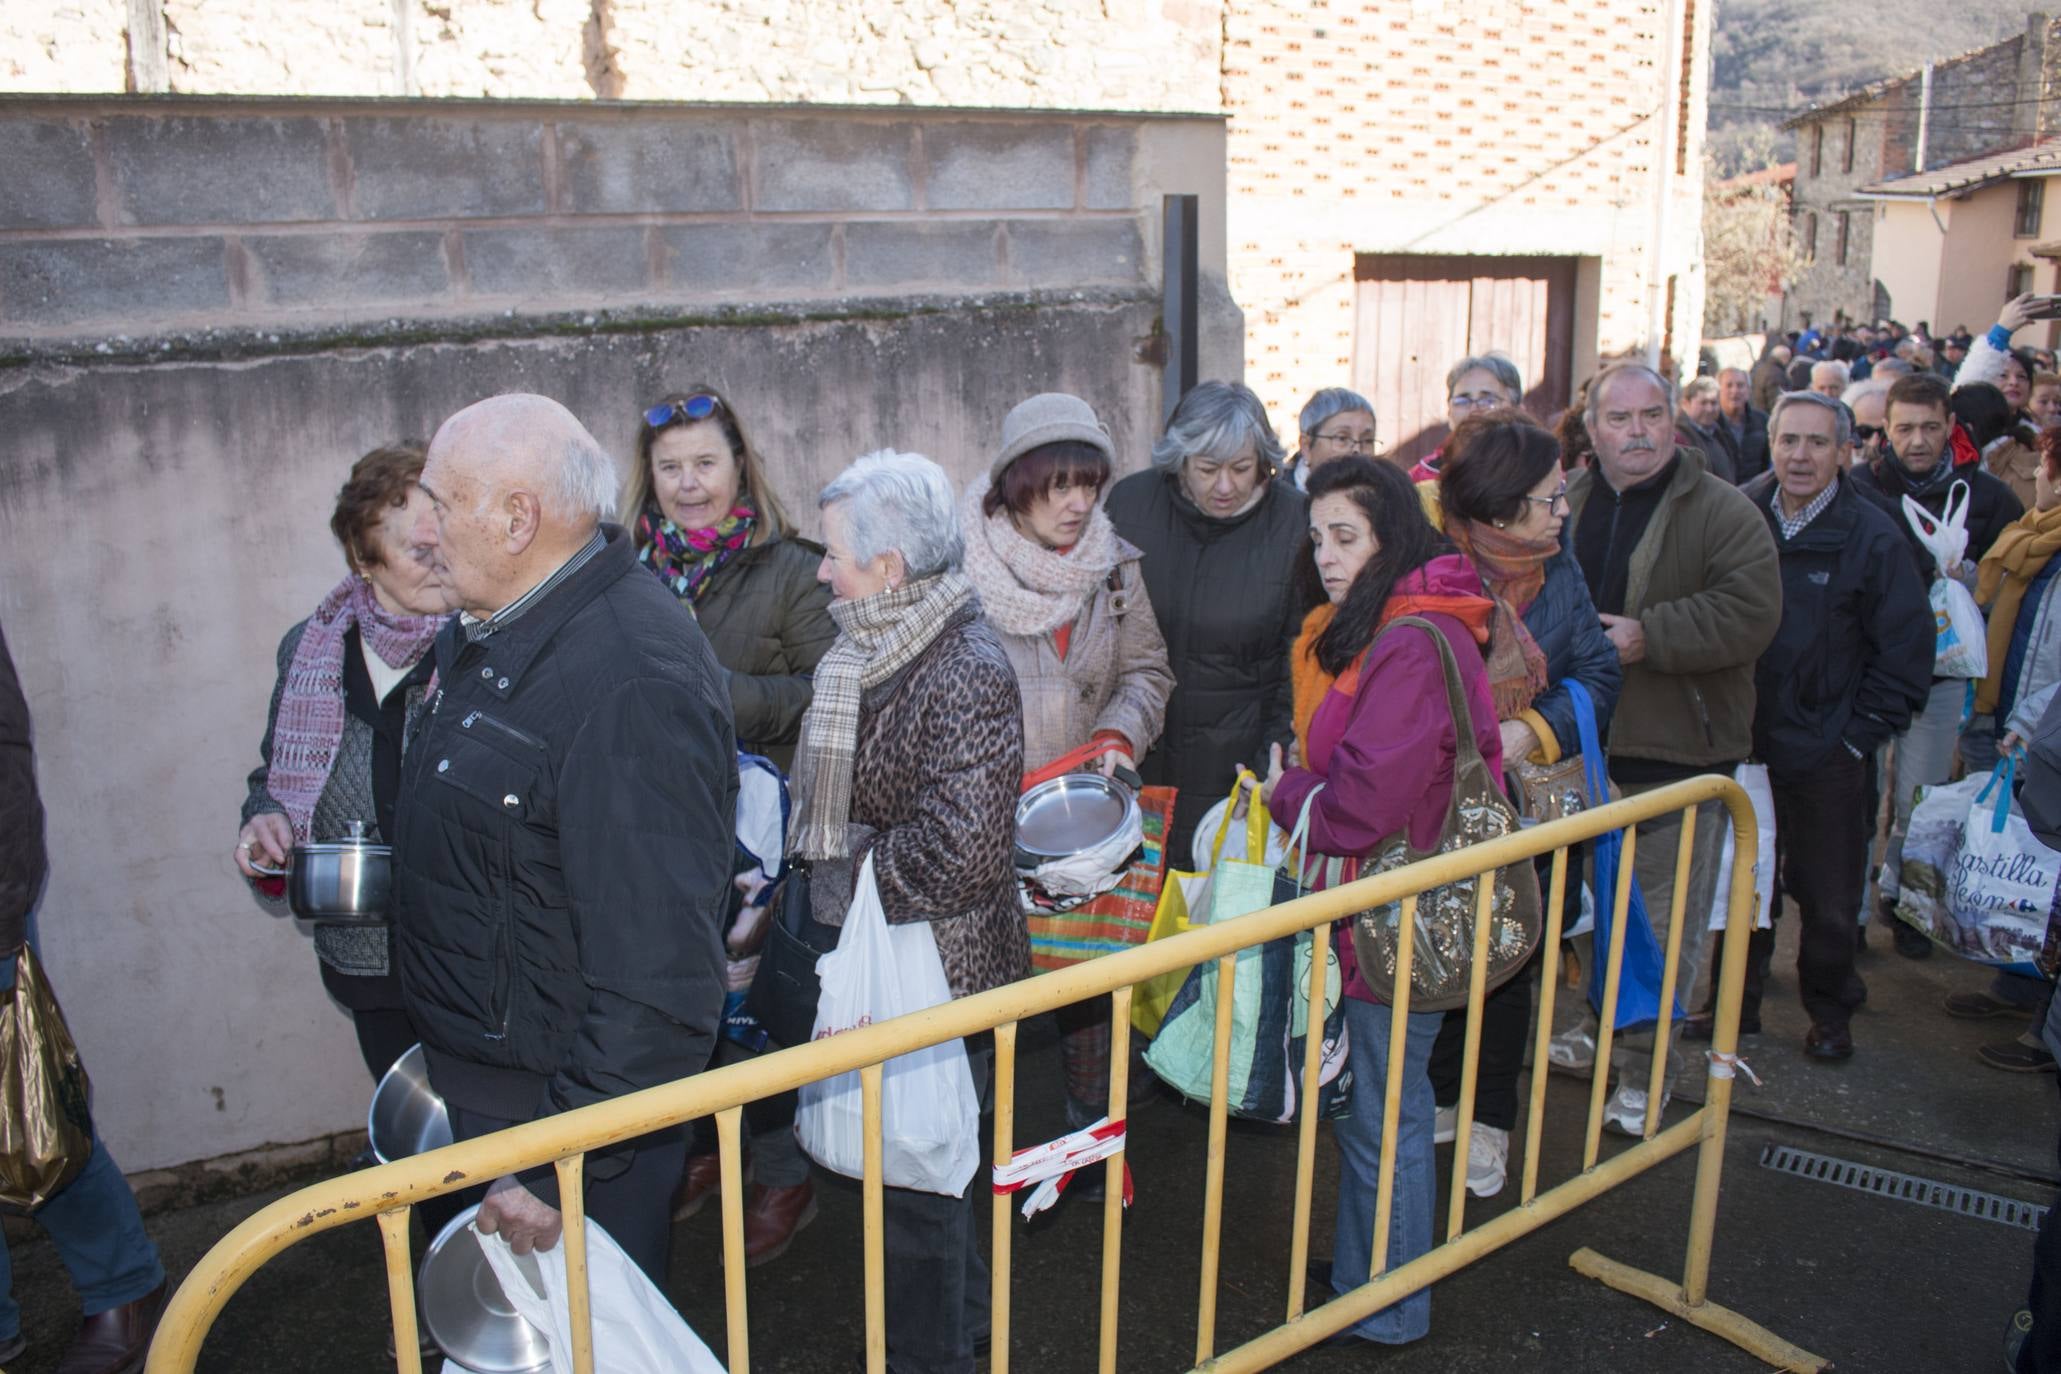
350,679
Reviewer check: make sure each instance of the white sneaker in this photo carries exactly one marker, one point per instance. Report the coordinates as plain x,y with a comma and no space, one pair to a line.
1488,1160
1625,1112
1572,1051
1445,1125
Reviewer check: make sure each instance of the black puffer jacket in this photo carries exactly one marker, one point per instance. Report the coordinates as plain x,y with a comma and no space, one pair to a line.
562,849
1853,657
1991,505
1229,604
22,859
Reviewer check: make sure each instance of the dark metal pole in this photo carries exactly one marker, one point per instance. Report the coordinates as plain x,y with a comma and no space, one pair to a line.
1178,299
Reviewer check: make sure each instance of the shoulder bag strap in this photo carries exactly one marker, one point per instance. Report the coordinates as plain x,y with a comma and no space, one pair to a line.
1466,750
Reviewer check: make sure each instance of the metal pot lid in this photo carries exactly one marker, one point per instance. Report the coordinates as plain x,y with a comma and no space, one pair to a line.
1070,814
353,843
468,1315
407,1117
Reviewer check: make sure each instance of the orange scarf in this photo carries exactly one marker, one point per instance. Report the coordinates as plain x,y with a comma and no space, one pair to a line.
2005,572
1311,683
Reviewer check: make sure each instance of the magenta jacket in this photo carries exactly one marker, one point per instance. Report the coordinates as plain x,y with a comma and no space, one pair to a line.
1385,754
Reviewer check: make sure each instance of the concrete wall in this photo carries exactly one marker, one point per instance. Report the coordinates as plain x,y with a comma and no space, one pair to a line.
1401,127
1829,288
1908,247
210,308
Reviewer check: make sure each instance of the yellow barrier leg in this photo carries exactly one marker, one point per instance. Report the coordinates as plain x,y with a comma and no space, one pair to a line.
1392,1096
1549,978
1306,1133
1113,1186
1748,1335
572,1206
1606,1021
1677,931
400,1288
730,1154
1470,1055
875,1209
1213,1167
1717,1099
1005,1150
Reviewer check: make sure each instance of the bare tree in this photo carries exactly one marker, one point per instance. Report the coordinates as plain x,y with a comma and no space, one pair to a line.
1750,252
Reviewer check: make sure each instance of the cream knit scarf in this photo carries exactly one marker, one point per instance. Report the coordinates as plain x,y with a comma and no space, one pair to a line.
879,636
1026,588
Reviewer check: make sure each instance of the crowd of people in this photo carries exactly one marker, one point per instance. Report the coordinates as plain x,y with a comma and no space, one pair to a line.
541,711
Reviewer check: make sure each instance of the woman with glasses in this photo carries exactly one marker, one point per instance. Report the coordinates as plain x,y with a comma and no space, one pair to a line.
708,525
1505,501
1474,386
1335,423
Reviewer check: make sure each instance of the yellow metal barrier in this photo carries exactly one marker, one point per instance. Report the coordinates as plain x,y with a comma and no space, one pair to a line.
390,1190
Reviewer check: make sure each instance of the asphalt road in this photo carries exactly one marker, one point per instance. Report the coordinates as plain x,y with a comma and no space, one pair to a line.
1873,1283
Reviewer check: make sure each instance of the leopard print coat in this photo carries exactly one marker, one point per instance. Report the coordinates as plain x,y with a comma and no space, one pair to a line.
934,788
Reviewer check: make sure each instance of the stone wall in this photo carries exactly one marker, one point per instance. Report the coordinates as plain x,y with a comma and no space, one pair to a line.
210,308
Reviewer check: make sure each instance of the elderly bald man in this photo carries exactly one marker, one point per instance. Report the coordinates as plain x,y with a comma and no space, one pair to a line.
562,848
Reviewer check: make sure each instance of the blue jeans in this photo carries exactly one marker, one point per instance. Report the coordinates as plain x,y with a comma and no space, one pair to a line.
1359,1182
95,1226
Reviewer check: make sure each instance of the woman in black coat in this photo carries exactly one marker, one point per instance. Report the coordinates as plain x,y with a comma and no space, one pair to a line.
1223,544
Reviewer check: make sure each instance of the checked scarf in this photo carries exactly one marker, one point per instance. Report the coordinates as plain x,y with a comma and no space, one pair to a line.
879,635
686,560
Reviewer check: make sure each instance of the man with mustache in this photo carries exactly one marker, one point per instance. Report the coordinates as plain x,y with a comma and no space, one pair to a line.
1683,572
1849,666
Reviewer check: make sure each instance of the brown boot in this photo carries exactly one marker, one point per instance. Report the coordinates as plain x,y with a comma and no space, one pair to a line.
702,1179
773,1217
115,1341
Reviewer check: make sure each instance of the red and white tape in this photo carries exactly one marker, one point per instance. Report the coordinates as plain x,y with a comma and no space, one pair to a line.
1044,1170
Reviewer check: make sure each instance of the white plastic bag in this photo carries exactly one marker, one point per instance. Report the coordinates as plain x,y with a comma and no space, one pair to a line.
1975,878
1754,778
1092,872
636,1331
1961,646
929,1115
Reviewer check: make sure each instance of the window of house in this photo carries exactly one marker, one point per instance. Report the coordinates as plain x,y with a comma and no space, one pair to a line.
1817,149
2017,281
1839,251
2032,191
1846,158
1810,234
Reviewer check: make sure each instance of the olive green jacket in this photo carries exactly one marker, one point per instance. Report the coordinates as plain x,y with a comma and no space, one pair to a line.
1706,587
768,620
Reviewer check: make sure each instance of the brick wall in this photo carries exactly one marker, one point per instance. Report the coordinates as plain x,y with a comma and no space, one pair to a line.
1399,127
132,219
1826,190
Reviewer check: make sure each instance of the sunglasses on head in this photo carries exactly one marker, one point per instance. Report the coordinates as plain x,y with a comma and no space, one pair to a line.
698,407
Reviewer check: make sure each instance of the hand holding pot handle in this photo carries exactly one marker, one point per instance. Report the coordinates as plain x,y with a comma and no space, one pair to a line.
263,844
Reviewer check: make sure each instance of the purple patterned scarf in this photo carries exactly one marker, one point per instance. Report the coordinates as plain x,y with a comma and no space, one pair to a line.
685,560
310,723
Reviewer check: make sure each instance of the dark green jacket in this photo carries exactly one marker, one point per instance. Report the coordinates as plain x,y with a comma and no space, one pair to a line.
768,619
1706,588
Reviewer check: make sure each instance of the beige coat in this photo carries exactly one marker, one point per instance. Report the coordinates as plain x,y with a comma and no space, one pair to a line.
2017,465
1114,676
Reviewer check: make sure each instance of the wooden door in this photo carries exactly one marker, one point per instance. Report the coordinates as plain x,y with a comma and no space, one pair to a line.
1416,315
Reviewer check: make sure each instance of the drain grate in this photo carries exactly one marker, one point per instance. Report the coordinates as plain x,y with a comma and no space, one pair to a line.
1967,1202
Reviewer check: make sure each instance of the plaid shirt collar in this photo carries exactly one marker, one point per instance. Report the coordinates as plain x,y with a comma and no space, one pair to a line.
476,629
1792,526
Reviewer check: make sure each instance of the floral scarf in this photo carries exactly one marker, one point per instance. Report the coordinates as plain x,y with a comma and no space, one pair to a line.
1513,569
686,560
309,723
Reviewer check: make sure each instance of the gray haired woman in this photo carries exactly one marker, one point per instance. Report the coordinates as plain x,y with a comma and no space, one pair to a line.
1474,386
911,753
1222,544
1335,423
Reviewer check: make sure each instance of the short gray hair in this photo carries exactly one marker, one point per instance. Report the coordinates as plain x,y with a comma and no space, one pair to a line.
901,502
1841,415
1891,367
585,483
1862,391
1845,372
1220,419
1332,400
1610,374
1497,365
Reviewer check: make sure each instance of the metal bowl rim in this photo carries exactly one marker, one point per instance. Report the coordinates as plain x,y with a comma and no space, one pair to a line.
435,1248
1071,782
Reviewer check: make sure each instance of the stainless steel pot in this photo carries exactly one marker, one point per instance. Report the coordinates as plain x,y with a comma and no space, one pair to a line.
466,1311
340,882
1070,814
407,1117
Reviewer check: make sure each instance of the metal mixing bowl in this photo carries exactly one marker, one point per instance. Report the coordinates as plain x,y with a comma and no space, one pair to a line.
407,1117
1070,814
467,1313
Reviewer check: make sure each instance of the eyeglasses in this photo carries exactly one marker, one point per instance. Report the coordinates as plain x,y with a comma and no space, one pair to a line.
697,407
1558,498
1344,440
1480,401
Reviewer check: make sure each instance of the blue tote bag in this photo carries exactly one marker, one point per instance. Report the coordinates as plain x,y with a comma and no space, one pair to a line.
1638,986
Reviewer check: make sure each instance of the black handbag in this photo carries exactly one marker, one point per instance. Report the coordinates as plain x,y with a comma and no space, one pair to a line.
784,991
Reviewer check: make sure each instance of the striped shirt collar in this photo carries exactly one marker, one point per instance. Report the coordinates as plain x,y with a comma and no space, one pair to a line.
476,629
1794,525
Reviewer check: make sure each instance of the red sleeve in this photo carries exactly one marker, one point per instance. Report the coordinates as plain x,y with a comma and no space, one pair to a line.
1386,770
